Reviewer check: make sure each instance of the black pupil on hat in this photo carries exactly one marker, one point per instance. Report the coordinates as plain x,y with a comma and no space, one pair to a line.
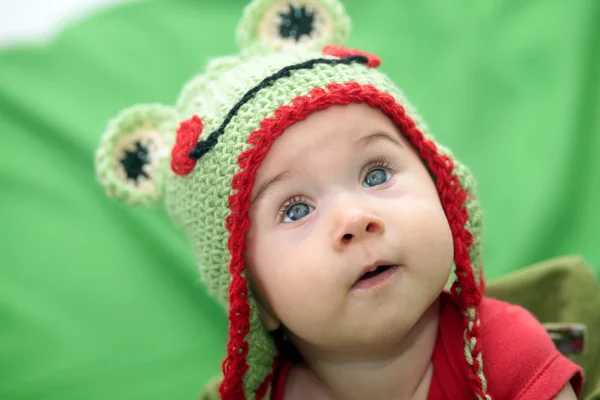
134,160
296,23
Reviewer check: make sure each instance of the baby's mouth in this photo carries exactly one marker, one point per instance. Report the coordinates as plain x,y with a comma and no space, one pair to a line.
375,276
377,271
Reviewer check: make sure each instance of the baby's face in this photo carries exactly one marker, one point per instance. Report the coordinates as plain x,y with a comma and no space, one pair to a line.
338,195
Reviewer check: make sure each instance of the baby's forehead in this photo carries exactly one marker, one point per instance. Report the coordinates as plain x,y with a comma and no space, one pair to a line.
325,139
341,126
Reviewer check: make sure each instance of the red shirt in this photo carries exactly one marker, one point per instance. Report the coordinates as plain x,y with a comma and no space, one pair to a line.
519,358
520,361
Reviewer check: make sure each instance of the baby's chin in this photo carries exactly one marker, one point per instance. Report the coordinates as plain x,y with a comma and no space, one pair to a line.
360,339
404,324
374,343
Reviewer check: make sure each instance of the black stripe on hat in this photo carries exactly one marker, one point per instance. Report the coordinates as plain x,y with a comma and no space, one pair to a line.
204,146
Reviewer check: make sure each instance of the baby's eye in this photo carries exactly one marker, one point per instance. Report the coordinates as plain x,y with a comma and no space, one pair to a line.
376,177
296,211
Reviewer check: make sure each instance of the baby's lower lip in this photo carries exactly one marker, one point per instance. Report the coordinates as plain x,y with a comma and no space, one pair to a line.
376,280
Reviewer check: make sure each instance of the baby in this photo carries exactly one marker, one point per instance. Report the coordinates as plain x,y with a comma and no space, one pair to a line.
344,241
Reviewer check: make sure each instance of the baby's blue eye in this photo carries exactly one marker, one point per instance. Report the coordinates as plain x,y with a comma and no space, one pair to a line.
376,177
296,212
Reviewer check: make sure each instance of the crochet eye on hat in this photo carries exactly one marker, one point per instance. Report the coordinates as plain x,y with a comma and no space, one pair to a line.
201,156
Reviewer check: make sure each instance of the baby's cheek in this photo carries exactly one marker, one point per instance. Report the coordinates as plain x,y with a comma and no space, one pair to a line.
303,309
425,235
288,263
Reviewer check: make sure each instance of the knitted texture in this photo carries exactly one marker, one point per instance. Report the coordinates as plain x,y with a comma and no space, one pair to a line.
229,117
148,126
258,29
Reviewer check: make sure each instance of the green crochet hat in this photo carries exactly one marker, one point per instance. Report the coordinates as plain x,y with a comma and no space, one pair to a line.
201,157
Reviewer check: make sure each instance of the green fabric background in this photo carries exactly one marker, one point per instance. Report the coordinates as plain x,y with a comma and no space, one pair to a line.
98,301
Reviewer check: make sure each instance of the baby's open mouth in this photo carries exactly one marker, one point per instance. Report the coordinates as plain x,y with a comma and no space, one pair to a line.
377,271
375,277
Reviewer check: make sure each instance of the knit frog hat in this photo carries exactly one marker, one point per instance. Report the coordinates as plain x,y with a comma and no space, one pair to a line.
200,158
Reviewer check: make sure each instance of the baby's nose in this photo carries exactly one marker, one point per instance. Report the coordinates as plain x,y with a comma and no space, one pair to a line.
357,227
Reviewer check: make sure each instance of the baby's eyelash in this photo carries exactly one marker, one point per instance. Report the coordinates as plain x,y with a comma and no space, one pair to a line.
379,162
290,202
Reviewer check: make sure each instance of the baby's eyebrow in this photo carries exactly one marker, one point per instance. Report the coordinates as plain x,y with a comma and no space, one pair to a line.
263,188
375,137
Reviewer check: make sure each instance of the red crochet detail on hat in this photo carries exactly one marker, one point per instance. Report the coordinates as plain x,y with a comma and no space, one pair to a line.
187,136
340,51
452,197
